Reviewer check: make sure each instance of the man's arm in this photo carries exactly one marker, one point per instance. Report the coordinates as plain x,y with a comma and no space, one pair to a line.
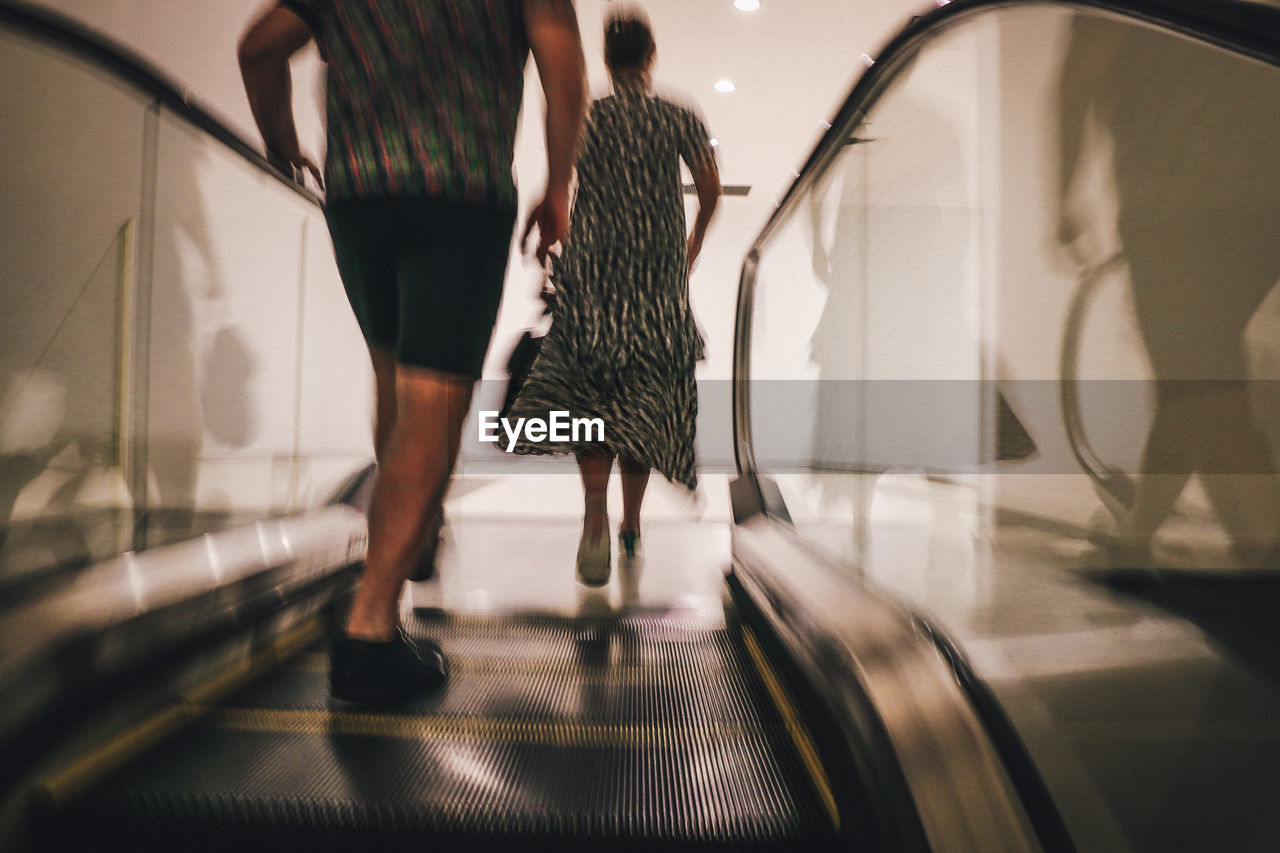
552,27
264,64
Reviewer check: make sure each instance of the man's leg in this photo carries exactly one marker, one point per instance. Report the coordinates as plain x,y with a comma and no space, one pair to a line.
414,470
414,300
384,377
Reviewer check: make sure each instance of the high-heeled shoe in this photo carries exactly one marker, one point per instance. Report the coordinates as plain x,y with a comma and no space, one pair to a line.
629,548
594,556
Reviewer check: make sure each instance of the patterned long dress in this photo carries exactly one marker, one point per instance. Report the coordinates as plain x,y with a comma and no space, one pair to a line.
623,341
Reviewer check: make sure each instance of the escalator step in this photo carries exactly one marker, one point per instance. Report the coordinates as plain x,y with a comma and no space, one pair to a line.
631,734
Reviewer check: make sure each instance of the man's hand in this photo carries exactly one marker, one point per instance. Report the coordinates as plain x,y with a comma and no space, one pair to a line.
306,164
551,217
296,163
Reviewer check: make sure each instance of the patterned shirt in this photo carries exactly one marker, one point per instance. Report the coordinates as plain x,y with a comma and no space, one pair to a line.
422,96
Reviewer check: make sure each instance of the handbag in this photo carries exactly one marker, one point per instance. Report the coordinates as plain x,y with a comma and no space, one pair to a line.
525,353
519,363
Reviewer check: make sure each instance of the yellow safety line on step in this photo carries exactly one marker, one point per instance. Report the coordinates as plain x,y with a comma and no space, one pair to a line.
66,783
613,672
514,729
795,728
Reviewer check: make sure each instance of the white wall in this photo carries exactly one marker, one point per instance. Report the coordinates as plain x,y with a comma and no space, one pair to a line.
239,295
793,62
194,42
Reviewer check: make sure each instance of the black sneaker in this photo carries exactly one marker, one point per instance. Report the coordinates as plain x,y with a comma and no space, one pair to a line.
385,673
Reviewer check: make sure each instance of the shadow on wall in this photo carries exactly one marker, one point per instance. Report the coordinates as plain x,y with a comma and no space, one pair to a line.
200,365
227,366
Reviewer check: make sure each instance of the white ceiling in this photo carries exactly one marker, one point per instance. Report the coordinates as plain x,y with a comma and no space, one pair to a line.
792,61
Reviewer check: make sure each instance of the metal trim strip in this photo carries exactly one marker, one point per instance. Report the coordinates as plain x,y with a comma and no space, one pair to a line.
129,66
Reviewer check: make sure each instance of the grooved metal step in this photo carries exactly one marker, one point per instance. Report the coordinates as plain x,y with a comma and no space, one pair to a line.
624,734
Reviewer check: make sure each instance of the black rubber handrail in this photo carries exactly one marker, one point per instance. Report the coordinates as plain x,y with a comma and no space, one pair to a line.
85,43
1115,488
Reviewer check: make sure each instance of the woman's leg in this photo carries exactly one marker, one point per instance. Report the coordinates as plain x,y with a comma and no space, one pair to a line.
1168,460
595,467
635,479
1238,473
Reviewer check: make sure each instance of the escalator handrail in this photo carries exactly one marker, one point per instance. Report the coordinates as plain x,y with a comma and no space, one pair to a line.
1113,486
900,712
126,65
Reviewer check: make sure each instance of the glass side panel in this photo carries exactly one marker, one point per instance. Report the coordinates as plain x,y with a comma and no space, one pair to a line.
176,352
869,316
1013,360
72,200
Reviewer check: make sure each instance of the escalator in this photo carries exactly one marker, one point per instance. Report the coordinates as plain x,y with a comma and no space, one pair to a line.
166,686
908,654
1028,209
567,734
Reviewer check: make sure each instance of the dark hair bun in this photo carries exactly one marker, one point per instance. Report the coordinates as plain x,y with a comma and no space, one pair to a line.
627,40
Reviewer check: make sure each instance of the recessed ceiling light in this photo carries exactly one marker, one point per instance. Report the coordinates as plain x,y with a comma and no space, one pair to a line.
725,86
746,5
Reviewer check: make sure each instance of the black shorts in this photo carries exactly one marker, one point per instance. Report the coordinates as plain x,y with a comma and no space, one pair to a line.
423,276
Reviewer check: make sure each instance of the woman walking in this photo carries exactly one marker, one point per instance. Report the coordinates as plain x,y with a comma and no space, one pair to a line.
623,343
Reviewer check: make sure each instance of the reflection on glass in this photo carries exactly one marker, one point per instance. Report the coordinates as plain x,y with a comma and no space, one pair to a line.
1182,131
928,282
1012,362
69,229
155,379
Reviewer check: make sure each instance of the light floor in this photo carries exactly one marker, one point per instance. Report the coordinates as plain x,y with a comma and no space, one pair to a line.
511,541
